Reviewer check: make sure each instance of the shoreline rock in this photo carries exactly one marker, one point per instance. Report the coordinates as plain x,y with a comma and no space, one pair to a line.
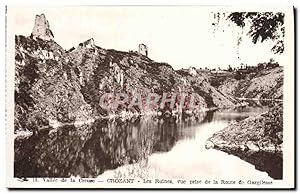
257,140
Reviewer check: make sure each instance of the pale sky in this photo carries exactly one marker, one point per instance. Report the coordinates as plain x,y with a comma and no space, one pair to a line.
180,36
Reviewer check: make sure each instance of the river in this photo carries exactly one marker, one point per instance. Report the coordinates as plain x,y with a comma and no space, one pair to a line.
142,147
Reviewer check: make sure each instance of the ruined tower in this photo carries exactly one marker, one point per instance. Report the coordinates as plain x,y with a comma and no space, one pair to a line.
143,49
41,28
89,43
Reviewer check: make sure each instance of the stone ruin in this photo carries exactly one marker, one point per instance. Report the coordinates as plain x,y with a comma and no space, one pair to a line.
41,28
143,49
90,43
192,71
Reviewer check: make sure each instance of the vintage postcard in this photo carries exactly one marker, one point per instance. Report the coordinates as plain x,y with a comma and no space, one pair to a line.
171,97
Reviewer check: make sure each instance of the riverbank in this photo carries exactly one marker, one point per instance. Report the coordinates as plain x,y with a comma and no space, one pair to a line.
124,115
257,140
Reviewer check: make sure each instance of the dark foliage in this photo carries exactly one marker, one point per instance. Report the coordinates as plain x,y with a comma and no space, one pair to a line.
264,26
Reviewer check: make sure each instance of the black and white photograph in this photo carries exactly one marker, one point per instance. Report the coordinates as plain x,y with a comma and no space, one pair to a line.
150,97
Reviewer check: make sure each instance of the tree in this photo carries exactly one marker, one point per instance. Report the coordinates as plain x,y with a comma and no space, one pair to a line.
263,26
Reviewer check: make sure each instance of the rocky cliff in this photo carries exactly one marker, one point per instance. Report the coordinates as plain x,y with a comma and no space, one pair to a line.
55,85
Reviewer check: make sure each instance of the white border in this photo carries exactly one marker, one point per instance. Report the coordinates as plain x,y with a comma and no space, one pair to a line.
2,70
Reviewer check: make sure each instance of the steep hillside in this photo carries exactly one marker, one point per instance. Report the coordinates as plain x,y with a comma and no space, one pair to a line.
43,91
52,84
213,97
263,84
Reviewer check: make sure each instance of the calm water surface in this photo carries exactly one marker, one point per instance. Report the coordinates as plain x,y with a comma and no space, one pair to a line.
144,147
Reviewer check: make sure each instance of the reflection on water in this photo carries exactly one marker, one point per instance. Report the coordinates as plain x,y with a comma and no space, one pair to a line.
189,159
91,150
237,114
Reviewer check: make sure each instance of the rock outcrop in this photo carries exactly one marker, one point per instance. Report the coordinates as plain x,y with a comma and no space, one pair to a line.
257,140
41,28
54,84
